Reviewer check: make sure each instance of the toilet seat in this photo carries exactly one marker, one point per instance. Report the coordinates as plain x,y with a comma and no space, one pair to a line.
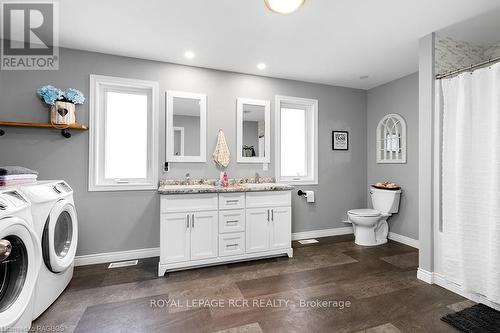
365,212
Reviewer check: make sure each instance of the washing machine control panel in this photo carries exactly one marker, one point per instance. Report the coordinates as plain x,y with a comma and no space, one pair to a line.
10,200
61,188
3,204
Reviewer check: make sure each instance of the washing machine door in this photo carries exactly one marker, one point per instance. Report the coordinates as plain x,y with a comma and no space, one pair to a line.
20,259
60,237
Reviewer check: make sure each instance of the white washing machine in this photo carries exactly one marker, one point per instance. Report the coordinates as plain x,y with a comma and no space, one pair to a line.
20,258
56,224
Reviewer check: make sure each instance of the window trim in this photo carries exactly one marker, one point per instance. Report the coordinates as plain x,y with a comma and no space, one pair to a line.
311,107
96,144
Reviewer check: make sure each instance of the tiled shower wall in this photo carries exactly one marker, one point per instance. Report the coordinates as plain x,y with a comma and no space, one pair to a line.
492,51
452,54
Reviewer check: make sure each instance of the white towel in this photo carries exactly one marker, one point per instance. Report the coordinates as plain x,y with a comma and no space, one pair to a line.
221,155
23,176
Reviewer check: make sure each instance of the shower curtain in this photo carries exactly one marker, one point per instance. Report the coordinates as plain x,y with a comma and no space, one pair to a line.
471,181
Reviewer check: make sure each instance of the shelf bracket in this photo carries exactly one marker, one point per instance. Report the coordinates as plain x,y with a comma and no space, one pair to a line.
66,133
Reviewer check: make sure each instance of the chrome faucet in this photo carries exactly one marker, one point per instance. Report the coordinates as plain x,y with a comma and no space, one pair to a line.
257,177
187,178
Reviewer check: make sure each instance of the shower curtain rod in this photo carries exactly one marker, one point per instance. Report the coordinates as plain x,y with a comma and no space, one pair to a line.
471,68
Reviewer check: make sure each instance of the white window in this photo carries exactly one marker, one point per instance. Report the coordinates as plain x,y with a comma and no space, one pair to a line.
391,139
296,140
123,153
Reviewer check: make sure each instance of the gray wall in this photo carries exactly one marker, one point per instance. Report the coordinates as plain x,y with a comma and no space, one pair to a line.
117,221
401,97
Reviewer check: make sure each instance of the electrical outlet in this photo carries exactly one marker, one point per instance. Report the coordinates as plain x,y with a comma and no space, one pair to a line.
166,167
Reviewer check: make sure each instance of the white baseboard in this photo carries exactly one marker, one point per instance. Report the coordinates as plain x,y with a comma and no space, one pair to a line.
102,258
403,239
322,233
440,280
425,276
348,230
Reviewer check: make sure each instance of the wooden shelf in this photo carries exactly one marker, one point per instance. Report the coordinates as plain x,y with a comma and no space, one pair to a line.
41,125
64,132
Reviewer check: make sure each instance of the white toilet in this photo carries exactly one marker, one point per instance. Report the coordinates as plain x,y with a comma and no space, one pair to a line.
370,225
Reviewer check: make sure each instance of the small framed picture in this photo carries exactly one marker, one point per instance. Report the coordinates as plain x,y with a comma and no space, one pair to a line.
340,140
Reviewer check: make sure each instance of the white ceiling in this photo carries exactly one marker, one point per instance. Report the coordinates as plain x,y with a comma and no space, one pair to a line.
327,41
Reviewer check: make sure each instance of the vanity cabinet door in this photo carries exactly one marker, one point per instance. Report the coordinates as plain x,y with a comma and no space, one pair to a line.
175,238
281,233
257,229
204,235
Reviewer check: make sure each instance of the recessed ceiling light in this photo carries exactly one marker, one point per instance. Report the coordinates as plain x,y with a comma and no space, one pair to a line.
261,66
284,6
189,54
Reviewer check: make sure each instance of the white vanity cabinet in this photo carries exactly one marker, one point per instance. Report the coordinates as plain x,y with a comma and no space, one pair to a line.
189,236
280,227
268,218
213,228
189,227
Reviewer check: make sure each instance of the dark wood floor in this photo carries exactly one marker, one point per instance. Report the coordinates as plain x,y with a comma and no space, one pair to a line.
380,283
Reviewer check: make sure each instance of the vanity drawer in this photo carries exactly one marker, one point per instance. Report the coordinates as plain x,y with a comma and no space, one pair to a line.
231,200
231,244
174,203
269,199
231,220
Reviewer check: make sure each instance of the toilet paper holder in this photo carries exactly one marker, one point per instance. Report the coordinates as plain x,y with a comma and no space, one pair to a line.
309,195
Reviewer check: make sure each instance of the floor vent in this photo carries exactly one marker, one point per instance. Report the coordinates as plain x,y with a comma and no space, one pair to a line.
308,241
123,264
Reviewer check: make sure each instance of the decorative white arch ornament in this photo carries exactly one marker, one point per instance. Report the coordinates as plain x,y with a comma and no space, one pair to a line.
391,139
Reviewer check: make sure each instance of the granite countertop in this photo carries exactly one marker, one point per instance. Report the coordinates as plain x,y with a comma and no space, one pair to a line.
191,186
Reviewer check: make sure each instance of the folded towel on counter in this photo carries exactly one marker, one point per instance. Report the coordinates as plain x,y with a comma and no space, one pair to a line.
16,182
13,177
16,170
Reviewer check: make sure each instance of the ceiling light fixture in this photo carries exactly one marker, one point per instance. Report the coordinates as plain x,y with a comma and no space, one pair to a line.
261,66
189,54
284,6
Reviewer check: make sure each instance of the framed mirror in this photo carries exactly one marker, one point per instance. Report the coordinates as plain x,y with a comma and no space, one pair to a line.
186,131
253,130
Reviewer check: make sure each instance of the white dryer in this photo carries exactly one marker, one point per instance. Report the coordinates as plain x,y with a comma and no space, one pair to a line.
55,221
20,259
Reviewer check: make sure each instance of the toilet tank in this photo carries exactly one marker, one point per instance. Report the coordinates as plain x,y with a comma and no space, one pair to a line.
385,201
